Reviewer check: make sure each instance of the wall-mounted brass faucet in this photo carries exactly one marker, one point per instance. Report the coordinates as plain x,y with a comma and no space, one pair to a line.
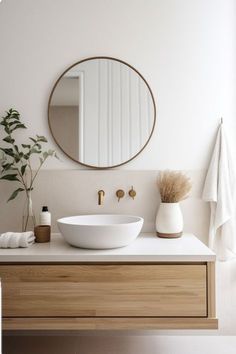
101,195
119,193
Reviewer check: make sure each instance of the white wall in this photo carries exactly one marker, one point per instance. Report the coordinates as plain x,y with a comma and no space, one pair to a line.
184,48
186,51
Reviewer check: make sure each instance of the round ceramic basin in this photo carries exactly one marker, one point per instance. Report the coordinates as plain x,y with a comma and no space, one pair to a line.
100,231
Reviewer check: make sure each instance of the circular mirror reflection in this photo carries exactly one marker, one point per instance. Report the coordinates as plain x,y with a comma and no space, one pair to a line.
101,112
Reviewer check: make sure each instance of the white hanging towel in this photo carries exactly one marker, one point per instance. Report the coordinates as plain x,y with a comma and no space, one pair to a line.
219,190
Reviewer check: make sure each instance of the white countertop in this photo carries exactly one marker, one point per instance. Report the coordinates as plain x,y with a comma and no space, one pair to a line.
146,248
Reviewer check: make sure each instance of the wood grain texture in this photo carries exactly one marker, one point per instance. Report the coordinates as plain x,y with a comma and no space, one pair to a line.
211,289
104,290
97,323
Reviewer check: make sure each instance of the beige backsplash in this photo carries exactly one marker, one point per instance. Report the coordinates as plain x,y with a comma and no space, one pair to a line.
71,192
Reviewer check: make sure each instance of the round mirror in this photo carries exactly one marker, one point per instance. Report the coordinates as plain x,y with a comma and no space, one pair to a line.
101,112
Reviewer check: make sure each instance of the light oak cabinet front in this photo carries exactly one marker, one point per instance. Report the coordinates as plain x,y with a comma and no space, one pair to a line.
108,296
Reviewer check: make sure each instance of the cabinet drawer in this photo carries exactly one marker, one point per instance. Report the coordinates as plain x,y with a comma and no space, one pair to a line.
158,290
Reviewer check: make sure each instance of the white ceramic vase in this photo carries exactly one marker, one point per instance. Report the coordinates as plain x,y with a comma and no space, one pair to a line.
169,220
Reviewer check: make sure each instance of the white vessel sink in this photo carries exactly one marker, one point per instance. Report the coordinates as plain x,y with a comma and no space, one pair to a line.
100,231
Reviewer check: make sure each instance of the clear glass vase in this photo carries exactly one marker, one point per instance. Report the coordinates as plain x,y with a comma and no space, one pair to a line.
28,218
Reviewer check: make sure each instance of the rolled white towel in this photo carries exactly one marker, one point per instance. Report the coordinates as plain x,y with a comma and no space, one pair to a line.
16,239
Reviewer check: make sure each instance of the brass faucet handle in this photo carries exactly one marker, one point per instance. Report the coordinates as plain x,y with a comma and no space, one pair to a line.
132,193
120,194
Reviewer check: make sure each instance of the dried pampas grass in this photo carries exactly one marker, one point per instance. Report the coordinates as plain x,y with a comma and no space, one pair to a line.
173,186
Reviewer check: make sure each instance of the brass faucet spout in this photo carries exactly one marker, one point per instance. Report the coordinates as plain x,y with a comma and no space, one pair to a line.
101,195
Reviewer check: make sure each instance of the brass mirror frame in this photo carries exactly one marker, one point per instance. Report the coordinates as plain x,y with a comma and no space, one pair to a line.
154,109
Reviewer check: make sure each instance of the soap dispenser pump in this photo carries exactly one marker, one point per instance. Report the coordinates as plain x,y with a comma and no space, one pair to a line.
45,216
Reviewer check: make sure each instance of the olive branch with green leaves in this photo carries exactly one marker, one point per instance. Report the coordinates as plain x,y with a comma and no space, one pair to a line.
15,162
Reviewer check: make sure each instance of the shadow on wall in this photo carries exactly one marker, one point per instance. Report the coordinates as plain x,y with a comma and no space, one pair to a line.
100,344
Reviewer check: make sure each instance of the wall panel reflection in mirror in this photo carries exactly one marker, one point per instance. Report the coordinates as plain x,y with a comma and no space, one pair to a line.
101,112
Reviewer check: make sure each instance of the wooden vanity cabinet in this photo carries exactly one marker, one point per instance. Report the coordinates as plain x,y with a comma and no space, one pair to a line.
75,296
